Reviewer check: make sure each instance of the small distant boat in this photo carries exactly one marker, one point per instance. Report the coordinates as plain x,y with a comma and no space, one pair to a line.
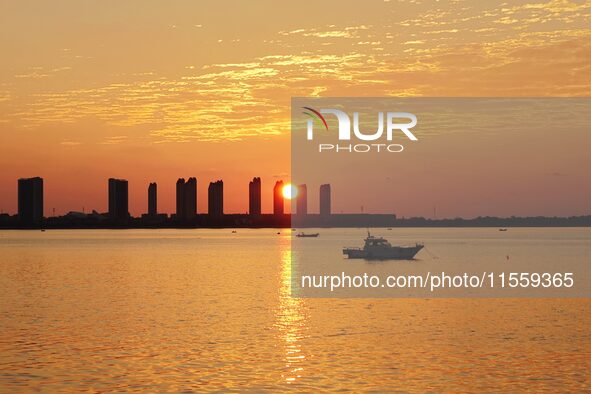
378,248
389,228
502,229
304,235
293,229
234,231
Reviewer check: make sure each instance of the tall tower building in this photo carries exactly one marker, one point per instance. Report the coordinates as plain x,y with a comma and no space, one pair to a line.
302,200
180,199
278,202
254,196
118,199
30,199
153,199
325,200
186,198
215,195
190,198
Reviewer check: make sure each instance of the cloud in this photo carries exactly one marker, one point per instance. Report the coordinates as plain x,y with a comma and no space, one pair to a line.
329,32
40,72
114,140
468,52
32,75
4,96
70,143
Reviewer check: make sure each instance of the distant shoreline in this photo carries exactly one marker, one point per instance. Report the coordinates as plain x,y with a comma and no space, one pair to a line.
261,228
286,221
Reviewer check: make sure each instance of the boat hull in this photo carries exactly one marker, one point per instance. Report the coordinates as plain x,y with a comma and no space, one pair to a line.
393,253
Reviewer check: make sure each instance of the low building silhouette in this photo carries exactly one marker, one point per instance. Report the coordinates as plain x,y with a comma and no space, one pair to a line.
30,200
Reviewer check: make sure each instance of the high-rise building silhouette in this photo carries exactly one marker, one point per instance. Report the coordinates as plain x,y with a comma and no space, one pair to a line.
186,198
152,199
215,194
254,196
302,200
190,198
180,199
30,199
325,199
278,201
118,199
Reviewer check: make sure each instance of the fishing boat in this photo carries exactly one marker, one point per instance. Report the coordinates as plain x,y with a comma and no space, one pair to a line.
378,248
304,235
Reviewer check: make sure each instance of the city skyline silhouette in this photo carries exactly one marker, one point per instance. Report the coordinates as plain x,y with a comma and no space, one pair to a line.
31,201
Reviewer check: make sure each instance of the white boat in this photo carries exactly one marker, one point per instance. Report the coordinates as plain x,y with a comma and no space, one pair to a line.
378,248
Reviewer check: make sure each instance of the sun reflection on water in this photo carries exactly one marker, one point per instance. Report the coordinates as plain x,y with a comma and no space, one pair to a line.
291,322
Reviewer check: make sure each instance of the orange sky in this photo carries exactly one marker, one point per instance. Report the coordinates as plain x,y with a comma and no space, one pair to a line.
153,91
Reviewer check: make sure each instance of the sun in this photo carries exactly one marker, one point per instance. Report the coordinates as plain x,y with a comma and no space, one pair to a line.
289,191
